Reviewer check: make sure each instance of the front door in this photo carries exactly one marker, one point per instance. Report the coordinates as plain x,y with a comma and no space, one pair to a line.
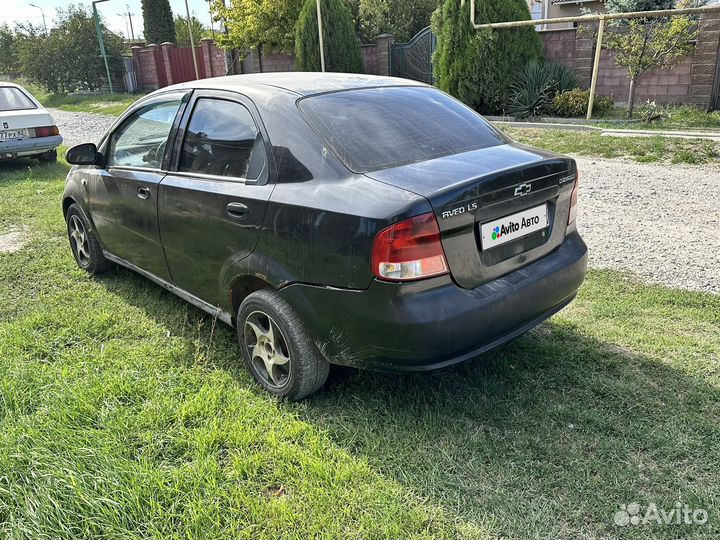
124,195
213,205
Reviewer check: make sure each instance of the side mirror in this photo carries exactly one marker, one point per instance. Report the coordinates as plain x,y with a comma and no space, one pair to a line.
83,154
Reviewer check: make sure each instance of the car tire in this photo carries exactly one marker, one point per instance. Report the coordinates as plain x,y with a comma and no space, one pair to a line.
48,157
84,244
277,349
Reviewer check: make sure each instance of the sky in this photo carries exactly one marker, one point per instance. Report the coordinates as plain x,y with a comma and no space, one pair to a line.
12,11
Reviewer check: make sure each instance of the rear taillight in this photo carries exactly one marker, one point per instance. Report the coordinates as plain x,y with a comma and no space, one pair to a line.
410,249
46,131
574,199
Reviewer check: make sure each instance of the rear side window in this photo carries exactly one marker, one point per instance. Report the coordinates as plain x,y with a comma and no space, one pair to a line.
222,140
377,128
14,99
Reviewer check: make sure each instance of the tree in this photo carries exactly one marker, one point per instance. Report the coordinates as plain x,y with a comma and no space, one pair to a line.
182,34
9,61
269,24
158,21
642,44
479,66
69,57
403,18
342,50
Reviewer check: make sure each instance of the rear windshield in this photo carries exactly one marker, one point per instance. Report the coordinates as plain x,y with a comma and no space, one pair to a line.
14,99
377,128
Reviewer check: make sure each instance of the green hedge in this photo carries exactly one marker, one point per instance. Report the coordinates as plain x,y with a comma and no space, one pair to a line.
478,66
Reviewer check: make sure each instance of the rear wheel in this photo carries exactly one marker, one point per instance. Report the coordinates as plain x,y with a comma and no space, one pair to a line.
276,348
84,244
48,157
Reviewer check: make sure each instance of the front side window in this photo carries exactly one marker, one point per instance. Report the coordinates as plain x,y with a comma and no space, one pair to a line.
14,99
142,138
222,140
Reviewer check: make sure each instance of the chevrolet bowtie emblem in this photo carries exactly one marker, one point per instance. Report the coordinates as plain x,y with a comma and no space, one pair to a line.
523,189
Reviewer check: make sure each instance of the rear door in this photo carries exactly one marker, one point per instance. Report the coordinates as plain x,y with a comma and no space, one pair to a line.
213,203
124,194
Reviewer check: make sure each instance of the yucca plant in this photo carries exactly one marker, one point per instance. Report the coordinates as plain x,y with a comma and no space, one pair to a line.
537,85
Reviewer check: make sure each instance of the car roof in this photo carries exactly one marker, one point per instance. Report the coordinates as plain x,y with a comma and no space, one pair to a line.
300,83
12,85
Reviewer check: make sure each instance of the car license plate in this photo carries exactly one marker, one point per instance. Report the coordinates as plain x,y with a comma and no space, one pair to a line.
506,229
13,134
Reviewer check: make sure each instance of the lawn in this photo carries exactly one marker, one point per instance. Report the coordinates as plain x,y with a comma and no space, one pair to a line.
126,414
643,149
674,117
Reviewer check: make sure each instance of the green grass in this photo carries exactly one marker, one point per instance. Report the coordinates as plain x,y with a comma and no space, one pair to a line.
677,117
642,149
126,414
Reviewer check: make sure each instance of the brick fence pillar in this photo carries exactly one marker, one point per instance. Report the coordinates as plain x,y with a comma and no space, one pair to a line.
207,57
705,60
384,41
167,47
155,68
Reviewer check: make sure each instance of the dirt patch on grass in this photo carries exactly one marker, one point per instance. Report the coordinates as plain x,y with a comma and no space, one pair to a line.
11,241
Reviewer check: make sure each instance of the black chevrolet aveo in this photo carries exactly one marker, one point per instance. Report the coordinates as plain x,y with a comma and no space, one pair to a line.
332,219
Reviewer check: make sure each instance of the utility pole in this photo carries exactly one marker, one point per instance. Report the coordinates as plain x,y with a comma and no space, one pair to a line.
212,26
192,40
132,32
100,41
320,36
127,28
43,16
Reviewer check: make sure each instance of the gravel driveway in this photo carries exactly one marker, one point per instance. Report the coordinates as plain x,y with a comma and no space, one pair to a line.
80,127
661,222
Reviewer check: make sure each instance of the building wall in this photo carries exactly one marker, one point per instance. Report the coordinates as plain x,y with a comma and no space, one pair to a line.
690,81
553,9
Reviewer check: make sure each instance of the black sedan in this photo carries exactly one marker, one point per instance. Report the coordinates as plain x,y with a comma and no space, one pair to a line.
332,219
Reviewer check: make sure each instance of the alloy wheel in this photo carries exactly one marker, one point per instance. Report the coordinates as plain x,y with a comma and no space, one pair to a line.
268,350
79,240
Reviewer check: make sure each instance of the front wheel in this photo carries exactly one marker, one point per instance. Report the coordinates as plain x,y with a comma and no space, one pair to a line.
84,244
276,348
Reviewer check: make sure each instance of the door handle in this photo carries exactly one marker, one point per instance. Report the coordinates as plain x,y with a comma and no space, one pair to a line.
237,210
143,192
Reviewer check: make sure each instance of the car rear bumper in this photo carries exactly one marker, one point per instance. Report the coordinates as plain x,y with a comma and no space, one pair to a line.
434,323
12,149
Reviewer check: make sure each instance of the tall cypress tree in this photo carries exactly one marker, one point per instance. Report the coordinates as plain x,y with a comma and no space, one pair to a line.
478,66
158,21
342,50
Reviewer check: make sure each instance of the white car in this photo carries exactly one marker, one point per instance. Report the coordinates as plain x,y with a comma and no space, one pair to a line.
26,128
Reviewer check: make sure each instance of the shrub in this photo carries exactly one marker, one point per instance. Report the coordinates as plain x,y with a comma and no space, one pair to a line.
651,112
158,21
479,66
342,50
574,103
537,85
9,61
70,55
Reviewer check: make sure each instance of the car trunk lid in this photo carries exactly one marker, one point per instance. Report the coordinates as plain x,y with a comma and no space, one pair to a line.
500,185
23,119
